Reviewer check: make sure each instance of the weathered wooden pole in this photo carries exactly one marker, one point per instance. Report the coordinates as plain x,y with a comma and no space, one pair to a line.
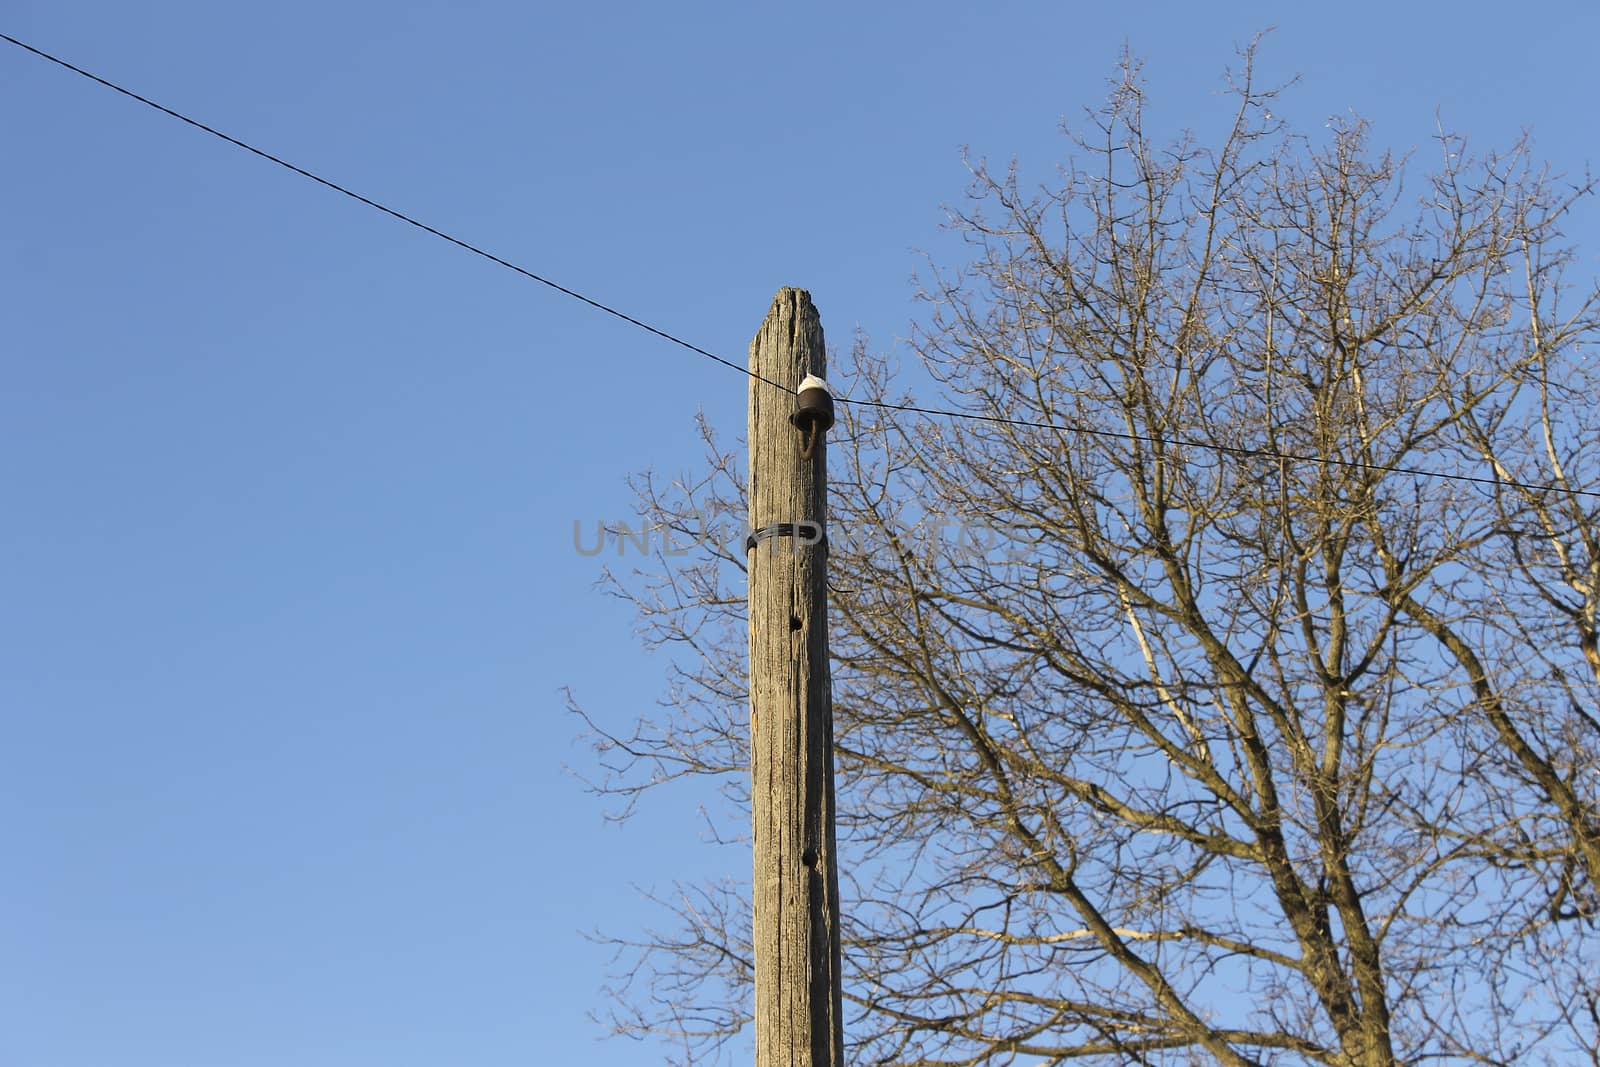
796,904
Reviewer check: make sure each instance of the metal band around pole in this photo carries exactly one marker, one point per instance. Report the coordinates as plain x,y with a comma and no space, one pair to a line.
808,533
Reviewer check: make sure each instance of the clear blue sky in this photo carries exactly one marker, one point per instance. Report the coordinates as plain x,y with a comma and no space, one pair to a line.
288,590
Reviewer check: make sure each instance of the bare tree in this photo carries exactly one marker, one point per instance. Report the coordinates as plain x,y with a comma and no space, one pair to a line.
1223,686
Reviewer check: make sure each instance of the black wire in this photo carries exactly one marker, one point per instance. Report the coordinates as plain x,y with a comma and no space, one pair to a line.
336,187
1235,450
664,335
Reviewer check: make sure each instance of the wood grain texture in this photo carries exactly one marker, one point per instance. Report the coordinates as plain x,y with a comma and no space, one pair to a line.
796,885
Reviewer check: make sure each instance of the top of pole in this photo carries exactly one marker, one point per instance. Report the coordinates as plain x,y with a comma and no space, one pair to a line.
789,347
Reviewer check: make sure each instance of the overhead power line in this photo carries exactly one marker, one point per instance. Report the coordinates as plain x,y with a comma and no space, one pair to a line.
907,408
1214,446
391,212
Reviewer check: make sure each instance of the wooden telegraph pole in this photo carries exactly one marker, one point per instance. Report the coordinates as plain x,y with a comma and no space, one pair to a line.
796,903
